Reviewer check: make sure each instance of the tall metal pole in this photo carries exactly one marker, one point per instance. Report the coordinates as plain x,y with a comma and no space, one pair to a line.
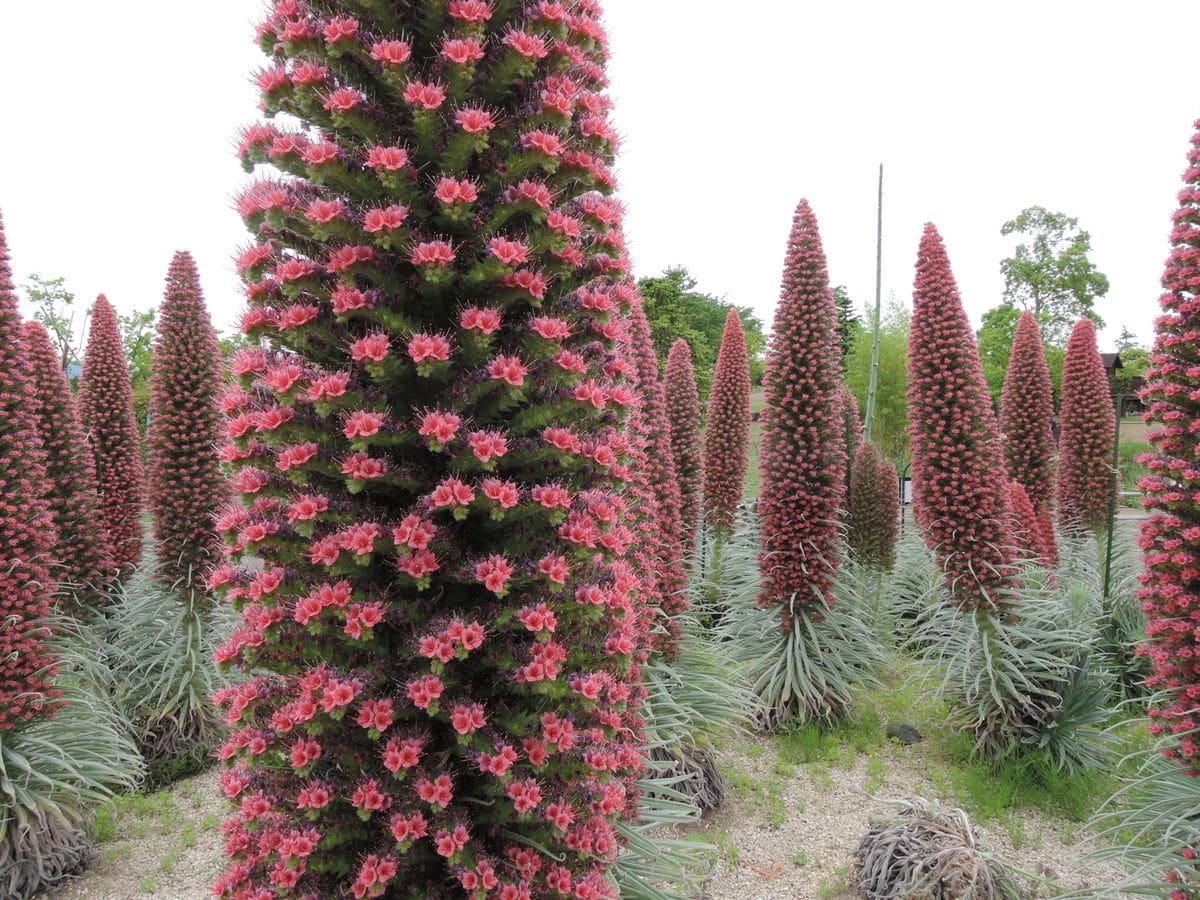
873,384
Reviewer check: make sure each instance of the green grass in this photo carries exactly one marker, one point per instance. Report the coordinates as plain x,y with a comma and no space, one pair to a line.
1131,470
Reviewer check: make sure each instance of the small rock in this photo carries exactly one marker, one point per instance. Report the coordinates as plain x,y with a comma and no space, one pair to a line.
905,732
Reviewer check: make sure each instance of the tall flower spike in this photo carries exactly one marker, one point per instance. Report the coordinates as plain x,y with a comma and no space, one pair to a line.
727,429
434,459
1027,415
1086,480
958,480
1171,535
874,514
106,405
803,432
185,480
80,563
26,528
683,408
1025,527
660,523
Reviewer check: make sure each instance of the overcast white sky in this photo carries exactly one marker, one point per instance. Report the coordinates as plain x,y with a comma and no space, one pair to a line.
119,120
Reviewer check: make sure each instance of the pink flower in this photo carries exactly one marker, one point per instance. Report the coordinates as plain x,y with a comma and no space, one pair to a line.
544,142
343,100
306,508
565,225
388,159
391,53
494,573
485,321
323,211
389,218
424,348
340,28
433,253
402,754
552,496
362,424
533,192
554,567
451,492
538,618
528,45
452,191
462,51
509,369
414,532
372,348
440,426
487,445
362,467
320,153
471,10
474,121
468,718
424,96
532,283
504,493
551,329
296,316
376,714
425,691
345,299
509,252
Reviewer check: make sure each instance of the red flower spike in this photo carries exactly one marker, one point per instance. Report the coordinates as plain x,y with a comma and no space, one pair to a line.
186,485
106,405
26,528
874,510
727,431
803,432
1027,415
1086,480
683,410
960,493
1170,537
660,553
81,563
436,559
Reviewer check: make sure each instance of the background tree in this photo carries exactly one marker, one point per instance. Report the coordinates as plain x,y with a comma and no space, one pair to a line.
890,431
850,323
675,309
1050,273
54,307
137,338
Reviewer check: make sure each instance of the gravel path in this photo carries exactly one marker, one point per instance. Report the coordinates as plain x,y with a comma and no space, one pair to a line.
787,832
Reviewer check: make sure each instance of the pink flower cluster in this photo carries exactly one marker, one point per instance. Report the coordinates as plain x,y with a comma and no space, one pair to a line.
81,561
803,432
873,519
26,529
445,635
683,411
106,404
186,484
1170,537
1087,483
960,492
727,431
1027,428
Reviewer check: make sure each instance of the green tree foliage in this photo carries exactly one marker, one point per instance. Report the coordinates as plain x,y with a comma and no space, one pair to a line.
137,336
890,430
676,310
54,307
1050,273
850,323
